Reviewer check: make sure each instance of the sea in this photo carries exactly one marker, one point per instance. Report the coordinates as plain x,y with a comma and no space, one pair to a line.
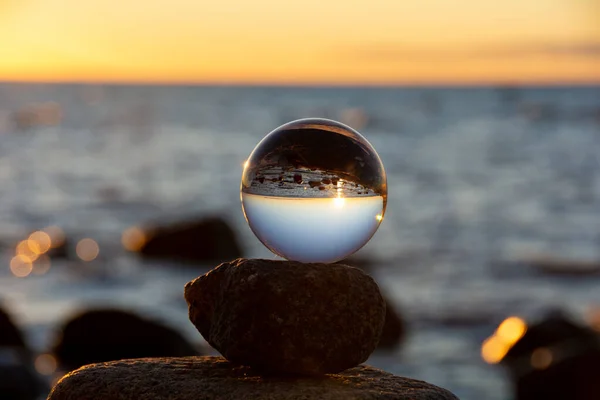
480,180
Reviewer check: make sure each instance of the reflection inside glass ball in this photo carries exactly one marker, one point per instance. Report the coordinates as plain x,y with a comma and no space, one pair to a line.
314,190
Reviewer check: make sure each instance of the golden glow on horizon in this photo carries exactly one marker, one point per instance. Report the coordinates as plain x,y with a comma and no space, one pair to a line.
268,41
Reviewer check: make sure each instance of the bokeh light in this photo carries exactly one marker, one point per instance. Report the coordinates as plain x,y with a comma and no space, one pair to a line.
541,358
87,249
133,239
39,242
593,318
20,266
504,338
23,249
42,265
511,330
46,364
57,236
493,350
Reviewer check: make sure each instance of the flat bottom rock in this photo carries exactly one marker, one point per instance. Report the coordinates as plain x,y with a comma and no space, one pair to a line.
198,378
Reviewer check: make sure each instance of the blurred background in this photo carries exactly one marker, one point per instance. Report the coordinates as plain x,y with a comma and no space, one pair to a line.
124,127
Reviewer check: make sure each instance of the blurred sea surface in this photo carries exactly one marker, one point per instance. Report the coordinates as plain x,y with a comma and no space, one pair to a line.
479,178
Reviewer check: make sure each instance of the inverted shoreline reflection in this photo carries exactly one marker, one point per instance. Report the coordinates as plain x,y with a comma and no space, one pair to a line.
313,229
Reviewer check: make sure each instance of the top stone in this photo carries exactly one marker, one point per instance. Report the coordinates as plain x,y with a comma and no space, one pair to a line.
288,317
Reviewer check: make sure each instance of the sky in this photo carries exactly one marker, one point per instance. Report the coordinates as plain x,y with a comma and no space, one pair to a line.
301,42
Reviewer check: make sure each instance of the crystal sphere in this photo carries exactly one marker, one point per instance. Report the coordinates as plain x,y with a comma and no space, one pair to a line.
314,190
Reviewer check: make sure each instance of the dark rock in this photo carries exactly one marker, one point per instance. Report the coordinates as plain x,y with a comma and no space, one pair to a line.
18,379
550,265
208,378
321,187
204,240
313,184
364,263
298,178
556,359
261,179
107,335
326,181
10,335
288,317
60,250
394,328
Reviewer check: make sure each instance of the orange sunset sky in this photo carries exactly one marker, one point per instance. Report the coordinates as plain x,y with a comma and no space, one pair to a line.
301,42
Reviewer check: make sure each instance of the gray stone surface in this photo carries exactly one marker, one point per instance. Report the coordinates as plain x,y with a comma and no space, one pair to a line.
288,317
208,378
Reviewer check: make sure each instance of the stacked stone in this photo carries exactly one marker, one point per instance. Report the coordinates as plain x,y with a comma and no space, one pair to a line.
286,330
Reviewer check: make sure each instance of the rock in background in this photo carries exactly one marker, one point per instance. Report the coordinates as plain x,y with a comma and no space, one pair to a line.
18,379
556,358
191,241
103,335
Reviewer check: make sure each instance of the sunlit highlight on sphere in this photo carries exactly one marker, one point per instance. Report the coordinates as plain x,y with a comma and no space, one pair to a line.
314,190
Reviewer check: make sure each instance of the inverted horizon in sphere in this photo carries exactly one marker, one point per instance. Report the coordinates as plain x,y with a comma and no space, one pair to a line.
313,229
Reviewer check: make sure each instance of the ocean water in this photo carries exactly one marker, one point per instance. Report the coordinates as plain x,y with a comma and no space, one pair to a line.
477,178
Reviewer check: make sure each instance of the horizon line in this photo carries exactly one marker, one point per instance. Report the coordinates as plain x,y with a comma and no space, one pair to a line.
377,85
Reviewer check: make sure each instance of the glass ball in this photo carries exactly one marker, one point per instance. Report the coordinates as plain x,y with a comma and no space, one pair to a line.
314,190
